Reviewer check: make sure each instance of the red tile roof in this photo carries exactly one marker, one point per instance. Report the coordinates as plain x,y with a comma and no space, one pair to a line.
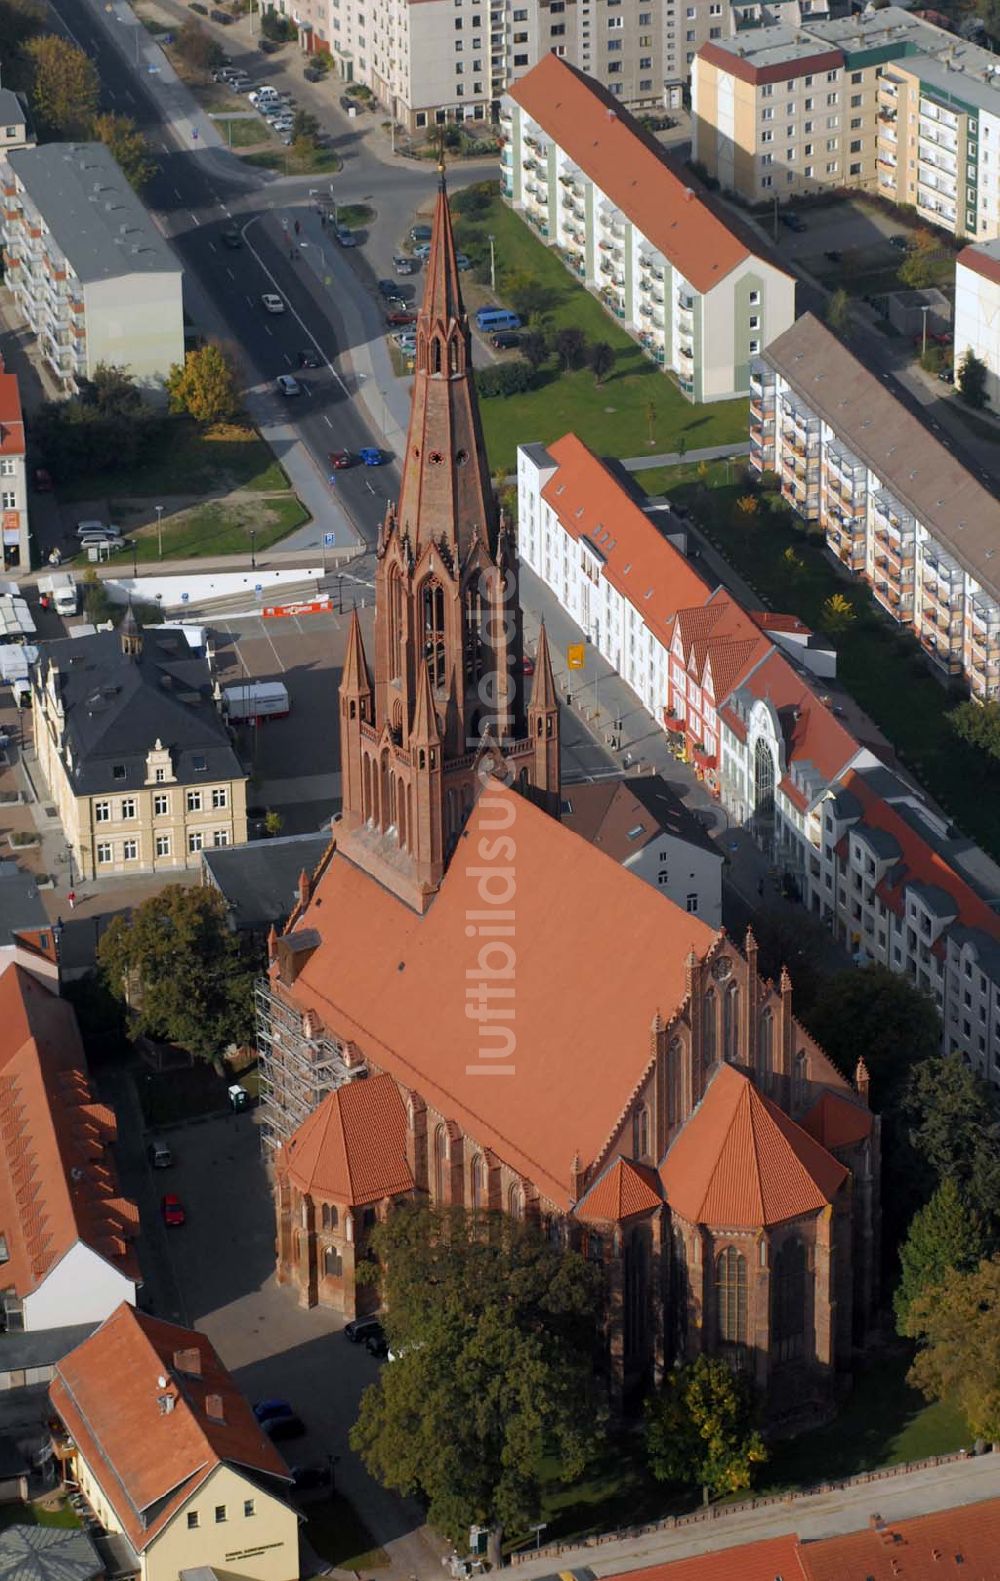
961,1542
764,1561
644,567
741,1162
812,733
836,1121
981,261
352,1149
395,983
58,1185
600,137
621,1192
919,862
149,1461
11,420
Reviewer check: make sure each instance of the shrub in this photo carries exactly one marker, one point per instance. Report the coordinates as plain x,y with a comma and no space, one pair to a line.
506,378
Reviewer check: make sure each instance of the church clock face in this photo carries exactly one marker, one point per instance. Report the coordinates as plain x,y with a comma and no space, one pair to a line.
722,968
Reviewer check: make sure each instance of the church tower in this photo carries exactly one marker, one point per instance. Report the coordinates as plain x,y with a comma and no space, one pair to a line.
446,705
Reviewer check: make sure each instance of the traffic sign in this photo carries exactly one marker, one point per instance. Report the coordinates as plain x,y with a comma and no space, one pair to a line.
576,656
329,539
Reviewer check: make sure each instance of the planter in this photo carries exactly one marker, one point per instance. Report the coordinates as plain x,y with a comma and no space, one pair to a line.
22,841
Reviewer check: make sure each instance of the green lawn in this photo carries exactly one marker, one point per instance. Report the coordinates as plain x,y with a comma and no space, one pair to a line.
339,1535
354,215
244,134
185,458
881,665
614,417
38,1515
218,528
285,159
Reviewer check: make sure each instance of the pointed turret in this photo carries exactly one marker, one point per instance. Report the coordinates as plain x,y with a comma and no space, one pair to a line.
425,730
130,634
543,729
356,710
425,834
355,680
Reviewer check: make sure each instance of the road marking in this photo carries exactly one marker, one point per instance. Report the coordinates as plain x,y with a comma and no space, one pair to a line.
213,246
250,300
230,273
274,650
297,316
227,212
327,421
194,218
128,96
267,329
176,193
288,359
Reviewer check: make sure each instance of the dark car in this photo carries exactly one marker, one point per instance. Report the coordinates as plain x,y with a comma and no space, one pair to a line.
900,242
270,1410
232,238
279,1427
196,5
505,340
792,221
377,1345
420,233
305,1478
947,375
313,74
222,17
359,1328
308,359
833,255
404,264
388,288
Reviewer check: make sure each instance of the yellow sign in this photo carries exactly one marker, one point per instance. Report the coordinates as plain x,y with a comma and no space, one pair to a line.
576,656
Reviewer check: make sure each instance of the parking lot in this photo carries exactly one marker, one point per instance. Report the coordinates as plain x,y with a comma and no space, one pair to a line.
858,232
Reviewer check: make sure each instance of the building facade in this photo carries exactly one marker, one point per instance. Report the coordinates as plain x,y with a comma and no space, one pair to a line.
977,311
884,102
169,1456
13,477
134,753
90,273
897,508
15,130
699,300
740,706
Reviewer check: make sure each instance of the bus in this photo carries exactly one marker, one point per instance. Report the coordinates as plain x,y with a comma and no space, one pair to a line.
489,319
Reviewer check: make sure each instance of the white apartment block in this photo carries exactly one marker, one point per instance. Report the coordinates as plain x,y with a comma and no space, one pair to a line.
882,102
977,311
89,271
700,301
897,508
868,855
13,478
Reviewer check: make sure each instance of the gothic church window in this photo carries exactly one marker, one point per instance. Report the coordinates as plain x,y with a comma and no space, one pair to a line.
432,600
788,1303
731,1296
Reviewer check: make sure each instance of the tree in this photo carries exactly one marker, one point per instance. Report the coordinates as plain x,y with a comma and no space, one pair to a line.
195,47
304,125
978,724
570,346
494,1335
205,386
505,378
20,20
65,88
186,977
748,505
130,147
838,614
699,1428
528,295
534,348
876,1013
918,268
960,1358
971,380
838,311
944,1238
601,357
273,823
954,1127
96,600
106,426
793,563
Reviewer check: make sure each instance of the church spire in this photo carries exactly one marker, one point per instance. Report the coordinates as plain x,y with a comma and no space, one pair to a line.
543,730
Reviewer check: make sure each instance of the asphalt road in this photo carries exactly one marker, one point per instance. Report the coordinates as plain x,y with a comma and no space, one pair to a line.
197,195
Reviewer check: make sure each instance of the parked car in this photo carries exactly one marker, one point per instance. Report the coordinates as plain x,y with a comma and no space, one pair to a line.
223,18
287,385
404,264
242,85
377,1345
422,250
281,1427
306,1478
527,665
369,456
947,375
270,1410
309,358
196,5
313,74
159,1155
791,219
102,541
388,288
95,529
345,237
172,1209
339,459
463,261
420,233
900,242
400,315
232,238
359,1328
505,340
272,303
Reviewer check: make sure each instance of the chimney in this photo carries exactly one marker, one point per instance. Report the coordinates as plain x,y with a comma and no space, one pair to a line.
188,1361
214,1408
304,889
577,1178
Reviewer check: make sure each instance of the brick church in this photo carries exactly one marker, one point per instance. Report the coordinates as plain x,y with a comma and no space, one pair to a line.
471,1003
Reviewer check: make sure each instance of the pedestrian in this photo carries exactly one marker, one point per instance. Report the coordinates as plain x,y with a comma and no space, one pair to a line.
760,888
71,897
298,228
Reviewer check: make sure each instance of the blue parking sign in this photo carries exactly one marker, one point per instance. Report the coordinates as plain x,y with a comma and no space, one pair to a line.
328,540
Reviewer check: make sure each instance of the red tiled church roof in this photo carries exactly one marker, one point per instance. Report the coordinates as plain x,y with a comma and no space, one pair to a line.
621,1192
835,1121
741,1162
352,1149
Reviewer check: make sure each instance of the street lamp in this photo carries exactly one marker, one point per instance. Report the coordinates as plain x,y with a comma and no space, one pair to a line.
135,562
925,309
253,549
493,263
159,531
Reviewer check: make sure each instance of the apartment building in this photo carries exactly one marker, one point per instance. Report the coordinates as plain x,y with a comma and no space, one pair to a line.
13,477
746,710
977,311
15,128
700,300
897,508
89,271
134,753
882,102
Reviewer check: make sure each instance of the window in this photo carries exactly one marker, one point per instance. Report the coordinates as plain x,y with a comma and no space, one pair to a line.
161,806
640,1131
159,776
128,807
220,1514
855,101
163,845
333,1263
856,146
856,77
119,771
7,467
731,1023
4,1250
196,841
9,500
102,812
192,1518
709,1028
249,1507
194,801
104,855
329,1217
856,123
788,1300
765,1049
692,903
130,850
220,837
755,321
515,1202
754,298
731,1297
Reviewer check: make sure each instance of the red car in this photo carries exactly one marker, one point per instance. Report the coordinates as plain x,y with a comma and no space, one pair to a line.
400,317
172,1209
339,459
527,666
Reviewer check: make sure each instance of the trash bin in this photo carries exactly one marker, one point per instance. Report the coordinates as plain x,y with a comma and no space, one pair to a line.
239,1097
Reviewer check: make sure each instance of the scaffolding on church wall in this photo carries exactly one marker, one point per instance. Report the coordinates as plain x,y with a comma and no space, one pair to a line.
296,1070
